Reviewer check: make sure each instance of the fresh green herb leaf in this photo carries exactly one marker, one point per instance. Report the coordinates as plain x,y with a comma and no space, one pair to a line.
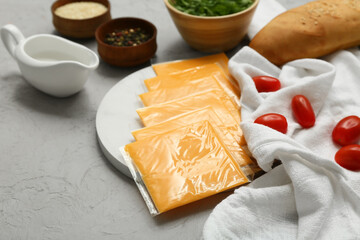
211,7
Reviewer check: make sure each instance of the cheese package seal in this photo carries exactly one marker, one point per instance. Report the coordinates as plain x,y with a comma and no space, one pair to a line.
182,166
242,158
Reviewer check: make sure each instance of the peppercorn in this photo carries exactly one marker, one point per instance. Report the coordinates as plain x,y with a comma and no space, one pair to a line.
127,37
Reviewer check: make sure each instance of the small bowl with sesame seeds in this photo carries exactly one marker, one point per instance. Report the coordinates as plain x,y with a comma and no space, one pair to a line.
126,42
79,18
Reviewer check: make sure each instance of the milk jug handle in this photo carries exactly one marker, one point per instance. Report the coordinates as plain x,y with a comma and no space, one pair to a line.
11,37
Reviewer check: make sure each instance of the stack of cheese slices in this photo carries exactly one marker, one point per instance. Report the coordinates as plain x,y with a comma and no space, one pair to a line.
191,146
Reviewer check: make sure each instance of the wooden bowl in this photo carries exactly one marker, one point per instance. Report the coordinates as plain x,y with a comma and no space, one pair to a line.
126,56
212,34
79,28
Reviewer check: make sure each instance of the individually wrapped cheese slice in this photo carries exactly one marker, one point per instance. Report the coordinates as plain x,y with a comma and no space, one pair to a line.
179,90
177,66
218,100
208,114
182,166
178,78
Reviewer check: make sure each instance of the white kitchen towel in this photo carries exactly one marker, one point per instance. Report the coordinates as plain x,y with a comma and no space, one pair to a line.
309,196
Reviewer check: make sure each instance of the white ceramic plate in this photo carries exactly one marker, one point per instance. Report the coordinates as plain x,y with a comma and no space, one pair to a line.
116,116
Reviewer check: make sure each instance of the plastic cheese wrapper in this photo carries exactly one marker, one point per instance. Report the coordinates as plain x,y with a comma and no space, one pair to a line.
208,114
218,100
181,90
181,77
176,66
181,166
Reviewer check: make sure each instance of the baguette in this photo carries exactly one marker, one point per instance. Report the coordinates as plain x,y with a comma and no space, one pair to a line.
310,31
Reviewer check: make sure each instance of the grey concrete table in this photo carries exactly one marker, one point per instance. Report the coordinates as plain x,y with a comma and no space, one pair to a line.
55,182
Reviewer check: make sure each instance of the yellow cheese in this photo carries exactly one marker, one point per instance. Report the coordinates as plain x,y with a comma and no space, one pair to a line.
202,114
184,165
181,90
188,75
218,100
178,66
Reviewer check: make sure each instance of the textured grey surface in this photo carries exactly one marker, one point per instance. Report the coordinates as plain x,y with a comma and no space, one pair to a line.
55,182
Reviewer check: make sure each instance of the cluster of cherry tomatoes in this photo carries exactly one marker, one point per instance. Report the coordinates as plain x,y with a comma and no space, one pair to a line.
346,133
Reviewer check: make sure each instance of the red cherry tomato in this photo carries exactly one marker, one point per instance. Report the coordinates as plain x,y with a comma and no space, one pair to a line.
349,157
303,111
347,131
274,121
266,83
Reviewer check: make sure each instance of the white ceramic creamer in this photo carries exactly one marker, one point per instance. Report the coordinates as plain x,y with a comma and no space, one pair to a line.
52,64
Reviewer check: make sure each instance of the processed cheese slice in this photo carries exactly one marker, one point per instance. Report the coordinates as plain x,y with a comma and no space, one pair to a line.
218,100
177,66
184,165
203,114
176,79
179,90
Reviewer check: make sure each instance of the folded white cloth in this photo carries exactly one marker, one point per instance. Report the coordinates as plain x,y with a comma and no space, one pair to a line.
309,196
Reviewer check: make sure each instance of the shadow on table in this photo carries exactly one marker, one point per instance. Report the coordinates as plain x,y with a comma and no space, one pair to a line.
194,208
69,107
244,42
111,167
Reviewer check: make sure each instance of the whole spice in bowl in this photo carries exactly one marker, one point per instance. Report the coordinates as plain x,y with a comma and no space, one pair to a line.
127,37
126,42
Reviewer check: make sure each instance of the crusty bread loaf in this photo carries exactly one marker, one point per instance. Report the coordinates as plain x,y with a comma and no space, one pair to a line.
309,31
